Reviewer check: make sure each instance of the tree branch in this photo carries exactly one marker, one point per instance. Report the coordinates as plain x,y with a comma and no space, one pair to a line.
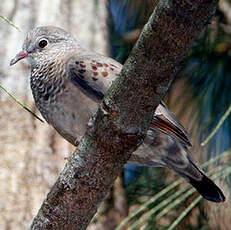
123,117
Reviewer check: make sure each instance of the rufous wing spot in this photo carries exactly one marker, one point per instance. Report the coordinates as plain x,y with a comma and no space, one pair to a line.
82,65
94,67
105,74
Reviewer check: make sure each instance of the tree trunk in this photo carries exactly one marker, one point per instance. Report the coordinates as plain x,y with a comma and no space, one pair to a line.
32,153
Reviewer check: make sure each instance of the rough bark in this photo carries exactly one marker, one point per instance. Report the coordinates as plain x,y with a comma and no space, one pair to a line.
32,154
123,117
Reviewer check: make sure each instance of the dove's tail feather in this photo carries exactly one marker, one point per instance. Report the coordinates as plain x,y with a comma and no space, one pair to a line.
208,189
205,186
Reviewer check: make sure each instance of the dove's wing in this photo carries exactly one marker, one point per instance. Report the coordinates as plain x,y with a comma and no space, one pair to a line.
94,74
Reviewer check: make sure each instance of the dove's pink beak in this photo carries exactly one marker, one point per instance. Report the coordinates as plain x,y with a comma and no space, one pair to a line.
22,54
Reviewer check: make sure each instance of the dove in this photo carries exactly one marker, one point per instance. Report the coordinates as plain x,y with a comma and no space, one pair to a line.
68,81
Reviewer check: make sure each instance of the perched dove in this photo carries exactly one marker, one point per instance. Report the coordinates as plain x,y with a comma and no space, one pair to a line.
68,81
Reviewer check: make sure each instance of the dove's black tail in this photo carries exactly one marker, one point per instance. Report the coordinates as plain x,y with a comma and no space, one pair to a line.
207,189
205,186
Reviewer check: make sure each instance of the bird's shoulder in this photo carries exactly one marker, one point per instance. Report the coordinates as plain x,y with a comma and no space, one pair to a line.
92,73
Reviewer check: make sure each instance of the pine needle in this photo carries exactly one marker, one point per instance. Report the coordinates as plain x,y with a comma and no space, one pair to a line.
11,23
228,111
20,103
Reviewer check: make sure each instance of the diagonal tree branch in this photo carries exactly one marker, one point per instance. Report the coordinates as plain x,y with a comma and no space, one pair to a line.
123,117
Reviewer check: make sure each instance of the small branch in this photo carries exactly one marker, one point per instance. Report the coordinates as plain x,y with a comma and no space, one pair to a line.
123,117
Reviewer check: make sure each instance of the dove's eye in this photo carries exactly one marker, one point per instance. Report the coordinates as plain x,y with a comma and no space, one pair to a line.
42,43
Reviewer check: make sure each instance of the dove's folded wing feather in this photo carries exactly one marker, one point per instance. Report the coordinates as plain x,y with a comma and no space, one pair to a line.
94,77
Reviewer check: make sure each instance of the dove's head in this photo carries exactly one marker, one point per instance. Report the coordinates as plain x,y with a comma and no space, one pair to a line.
43,43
